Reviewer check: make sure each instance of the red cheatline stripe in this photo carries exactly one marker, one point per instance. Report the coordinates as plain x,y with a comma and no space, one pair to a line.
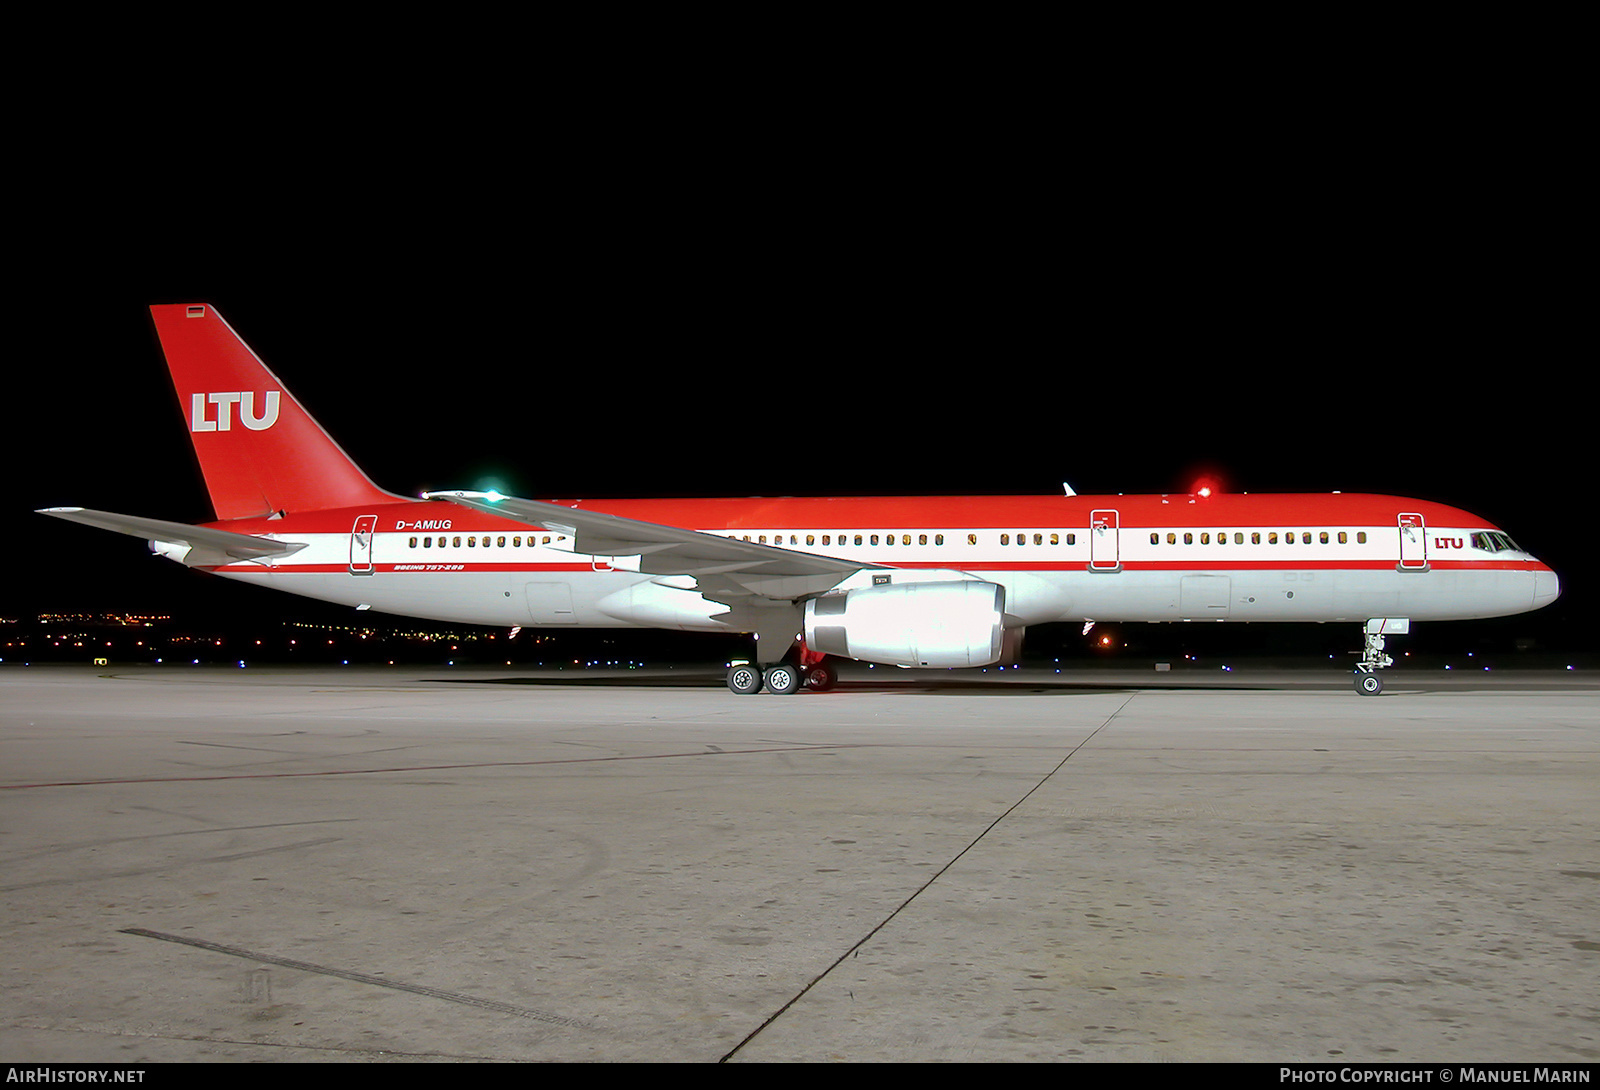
1216,564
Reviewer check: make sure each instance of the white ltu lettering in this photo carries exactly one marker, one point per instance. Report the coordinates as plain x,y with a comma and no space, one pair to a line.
197,414
224,416
269,417
246,400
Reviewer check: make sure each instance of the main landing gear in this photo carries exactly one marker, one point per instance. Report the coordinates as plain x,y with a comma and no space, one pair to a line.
1368,683
744,679
781,678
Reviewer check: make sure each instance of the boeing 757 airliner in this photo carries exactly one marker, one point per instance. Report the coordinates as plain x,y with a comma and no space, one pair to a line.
906,581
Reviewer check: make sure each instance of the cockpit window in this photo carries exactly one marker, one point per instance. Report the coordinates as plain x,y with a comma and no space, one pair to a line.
1494,541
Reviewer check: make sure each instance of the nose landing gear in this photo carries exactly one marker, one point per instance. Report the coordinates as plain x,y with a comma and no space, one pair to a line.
1367,681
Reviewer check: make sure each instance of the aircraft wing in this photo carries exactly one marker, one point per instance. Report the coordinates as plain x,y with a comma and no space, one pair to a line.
206,546
725,569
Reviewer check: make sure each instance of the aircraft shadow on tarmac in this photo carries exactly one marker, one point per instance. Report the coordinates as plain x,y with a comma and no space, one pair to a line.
1047,683
923,686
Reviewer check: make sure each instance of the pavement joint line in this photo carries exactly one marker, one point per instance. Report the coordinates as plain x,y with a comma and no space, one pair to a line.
932,878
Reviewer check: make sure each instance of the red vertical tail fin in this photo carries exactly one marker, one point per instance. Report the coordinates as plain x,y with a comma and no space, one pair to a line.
260,452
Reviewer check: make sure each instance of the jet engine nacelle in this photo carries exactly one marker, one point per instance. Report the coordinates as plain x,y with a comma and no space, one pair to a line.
912,624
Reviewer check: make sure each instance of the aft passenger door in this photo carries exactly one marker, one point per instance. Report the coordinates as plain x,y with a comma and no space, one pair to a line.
361,535
1105,551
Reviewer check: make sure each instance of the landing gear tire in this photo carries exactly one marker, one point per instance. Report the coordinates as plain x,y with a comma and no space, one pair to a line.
820,678
1369,684
782,679
744,679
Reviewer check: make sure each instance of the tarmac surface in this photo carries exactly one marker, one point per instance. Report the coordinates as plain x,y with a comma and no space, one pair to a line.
472,864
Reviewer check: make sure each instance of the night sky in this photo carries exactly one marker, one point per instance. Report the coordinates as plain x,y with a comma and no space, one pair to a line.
584,333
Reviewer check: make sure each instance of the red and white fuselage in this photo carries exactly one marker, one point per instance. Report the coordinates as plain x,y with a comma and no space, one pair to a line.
1293,557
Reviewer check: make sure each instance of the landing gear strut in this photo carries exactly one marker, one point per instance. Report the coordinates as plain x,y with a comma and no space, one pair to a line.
1368,683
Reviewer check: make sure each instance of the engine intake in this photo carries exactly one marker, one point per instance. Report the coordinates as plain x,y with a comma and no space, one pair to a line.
912,624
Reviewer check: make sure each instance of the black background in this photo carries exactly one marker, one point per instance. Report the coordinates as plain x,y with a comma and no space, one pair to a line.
1300,292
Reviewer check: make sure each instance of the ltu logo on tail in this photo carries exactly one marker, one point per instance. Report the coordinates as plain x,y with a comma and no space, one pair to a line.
223,421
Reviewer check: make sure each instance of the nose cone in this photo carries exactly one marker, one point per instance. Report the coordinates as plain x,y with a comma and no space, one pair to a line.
1546,587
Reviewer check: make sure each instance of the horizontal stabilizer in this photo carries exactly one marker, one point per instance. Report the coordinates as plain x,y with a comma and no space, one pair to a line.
223,544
